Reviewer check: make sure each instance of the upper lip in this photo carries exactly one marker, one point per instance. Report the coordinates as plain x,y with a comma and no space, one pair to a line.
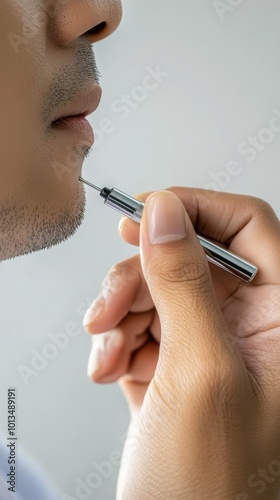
83,105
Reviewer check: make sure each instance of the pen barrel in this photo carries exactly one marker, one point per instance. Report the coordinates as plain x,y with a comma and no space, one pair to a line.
228,261
221,257
125,204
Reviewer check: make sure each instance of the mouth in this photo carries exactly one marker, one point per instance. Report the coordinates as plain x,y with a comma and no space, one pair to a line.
73,117
77,124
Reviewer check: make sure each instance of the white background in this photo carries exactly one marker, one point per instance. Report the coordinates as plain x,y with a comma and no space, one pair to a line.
222,86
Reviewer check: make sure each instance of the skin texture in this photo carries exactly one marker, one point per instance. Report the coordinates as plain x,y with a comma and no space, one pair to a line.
195,351
46,61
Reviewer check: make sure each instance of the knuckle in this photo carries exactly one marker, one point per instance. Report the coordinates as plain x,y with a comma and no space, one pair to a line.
264,212
182,271
261,206
120,275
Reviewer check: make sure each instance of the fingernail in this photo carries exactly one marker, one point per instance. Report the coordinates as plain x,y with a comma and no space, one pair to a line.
103,345
166,218
95,309
96,358
122,223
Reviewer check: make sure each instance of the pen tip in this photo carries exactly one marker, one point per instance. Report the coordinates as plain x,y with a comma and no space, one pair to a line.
89,184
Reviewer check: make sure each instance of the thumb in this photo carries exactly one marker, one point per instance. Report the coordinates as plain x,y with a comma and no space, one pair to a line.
194,334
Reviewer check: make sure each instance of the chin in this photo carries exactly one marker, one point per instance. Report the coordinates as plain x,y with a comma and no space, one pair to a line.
38,228
63,223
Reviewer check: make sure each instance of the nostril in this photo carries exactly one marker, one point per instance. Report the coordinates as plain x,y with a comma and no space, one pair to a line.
96,29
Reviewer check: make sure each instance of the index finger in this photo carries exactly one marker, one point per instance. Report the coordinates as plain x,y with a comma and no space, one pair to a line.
246,225
124,291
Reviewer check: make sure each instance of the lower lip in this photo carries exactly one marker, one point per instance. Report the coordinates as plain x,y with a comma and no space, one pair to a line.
76,124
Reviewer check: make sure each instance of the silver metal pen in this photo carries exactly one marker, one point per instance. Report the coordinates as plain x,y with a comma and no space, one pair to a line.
132,208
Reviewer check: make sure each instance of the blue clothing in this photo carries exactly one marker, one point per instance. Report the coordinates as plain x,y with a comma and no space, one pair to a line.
31,482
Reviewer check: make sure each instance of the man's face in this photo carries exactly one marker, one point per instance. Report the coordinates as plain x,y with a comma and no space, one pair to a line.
47,68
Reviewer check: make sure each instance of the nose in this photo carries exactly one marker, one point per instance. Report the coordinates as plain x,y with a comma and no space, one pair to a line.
95,18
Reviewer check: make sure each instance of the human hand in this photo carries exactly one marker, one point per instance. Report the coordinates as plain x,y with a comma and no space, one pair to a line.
205,404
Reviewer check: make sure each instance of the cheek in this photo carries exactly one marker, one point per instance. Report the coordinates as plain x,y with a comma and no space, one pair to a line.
54,172
19,143
21,90
36,164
